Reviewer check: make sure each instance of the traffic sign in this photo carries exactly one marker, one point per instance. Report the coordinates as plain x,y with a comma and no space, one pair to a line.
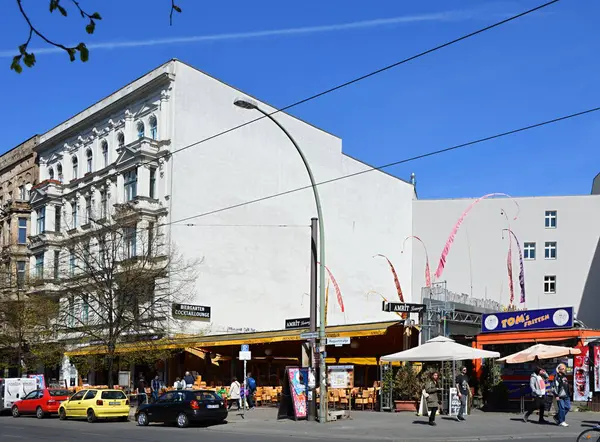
245,347
309,335
403,307
338,342
245,356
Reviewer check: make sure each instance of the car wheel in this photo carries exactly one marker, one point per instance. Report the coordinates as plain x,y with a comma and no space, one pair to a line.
142,419
62,415
182,420
39,413
15,412
91,416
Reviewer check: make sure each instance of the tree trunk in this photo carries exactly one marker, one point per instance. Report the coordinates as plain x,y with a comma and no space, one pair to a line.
110,362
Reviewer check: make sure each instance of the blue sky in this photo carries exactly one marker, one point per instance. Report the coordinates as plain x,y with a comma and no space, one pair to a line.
542,66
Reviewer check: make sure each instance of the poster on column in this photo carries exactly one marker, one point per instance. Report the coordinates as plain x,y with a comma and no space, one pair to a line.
294,400
40,380
581,378
597,368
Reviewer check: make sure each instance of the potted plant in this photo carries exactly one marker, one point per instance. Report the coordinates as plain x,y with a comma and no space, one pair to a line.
407,389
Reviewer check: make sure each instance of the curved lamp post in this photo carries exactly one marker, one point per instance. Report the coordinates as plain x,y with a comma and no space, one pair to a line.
246,104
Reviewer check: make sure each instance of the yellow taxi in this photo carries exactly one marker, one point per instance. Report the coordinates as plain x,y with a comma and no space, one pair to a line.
94,404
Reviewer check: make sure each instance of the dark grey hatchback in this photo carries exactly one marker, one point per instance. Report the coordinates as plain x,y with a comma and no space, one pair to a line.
182,407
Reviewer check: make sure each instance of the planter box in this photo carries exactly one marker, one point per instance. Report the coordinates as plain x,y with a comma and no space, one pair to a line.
406,406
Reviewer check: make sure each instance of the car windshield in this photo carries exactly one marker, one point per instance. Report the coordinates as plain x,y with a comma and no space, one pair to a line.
206,396
113,395
58,392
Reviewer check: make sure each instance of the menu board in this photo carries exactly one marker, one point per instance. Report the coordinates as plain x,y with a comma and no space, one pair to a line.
581,378
294,401
455,403
340,376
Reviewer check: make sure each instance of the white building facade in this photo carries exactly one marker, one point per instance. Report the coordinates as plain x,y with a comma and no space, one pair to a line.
137,147
559,237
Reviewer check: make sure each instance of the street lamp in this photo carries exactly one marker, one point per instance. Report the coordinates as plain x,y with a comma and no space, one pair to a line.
246,104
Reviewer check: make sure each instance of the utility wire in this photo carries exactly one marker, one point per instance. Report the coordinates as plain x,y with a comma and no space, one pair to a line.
245,225
395,163
370,74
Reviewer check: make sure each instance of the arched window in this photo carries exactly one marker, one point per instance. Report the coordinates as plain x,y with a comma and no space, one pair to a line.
59,172
153,128
141,130
89,158
75,167
121,139
51,173
105,153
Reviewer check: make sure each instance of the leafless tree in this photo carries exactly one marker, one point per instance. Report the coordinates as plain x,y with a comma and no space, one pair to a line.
118,282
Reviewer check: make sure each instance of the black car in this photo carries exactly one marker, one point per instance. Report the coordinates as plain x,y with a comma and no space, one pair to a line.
182,407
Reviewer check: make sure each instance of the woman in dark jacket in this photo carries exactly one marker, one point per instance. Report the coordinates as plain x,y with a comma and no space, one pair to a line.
434,391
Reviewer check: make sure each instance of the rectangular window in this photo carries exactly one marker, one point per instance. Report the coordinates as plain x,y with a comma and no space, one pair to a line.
56,264
549,284
39,265
87,256
23,193
103,204
550,219
152,183
21,273
71,312
102,250
130,184
72,262
41,220
150,238
57,218
88,210
74,214
85,308
550,250
130,242
22,230
529,250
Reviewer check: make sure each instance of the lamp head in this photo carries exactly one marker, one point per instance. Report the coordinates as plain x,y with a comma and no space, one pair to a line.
244,103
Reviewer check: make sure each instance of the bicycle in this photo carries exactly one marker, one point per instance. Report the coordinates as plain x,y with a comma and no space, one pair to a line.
592,434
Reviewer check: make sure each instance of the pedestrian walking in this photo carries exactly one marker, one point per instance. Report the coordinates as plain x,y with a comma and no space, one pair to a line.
155,387
563,395
538,391
234,393
179,384
464,392
188,379
433,391
141,390
251,383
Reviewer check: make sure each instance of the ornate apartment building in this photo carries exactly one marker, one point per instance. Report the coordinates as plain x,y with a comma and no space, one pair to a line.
18,174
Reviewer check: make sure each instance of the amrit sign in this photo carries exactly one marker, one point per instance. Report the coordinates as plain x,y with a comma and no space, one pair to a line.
561,317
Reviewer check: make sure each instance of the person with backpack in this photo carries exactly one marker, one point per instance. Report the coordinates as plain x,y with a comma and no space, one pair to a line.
251,390
179,384
538,391
563,395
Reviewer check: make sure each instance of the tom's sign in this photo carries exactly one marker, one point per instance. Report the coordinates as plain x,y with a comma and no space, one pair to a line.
561,317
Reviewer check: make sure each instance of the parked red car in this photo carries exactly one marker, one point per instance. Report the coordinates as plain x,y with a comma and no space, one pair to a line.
40,402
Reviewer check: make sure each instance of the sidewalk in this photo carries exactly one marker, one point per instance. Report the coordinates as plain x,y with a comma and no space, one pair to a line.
367,425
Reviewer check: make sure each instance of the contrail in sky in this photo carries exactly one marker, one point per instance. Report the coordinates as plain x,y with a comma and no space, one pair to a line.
435,17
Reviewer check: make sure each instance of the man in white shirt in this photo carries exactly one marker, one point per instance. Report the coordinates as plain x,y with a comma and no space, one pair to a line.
538,392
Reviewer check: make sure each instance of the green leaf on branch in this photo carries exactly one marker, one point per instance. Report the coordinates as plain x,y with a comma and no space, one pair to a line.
62,10
53,5
177,8
16,64
23,49
84,52
91,27
29,59
71,52
96,16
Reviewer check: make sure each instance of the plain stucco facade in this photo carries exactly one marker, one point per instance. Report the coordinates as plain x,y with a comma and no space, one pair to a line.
477,263
254,274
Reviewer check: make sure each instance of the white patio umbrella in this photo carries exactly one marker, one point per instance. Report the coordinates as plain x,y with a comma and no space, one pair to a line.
539,351
440,349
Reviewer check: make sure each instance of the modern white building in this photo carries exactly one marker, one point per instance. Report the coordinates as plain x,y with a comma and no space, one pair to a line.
559,237
149,146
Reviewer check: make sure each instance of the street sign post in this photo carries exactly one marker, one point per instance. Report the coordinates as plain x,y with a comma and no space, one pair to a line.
338,342
245,355
402,307
309,335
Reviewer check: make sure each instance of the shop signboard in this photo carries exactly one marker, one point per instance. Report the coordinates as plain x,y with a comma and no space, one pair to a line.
581,376
191,312
296,323
402,307
540,319
340,376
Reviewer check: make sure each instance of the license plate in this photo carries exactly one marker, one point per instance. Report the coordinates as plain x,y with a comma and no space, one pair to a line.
212,406
114,403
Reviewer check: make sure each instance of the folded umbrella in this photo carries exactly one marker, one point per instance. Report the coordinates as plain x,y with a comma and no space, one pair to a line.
539,351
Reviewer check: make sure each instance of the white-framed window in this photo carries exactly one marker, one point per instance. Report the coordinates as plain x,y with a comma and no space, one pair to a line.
120,139
130,184
74,219
56,264
72,262
529,250
88,210
41,220
550,284
103,204
153,128
152,182
71,313
21,265
57,218
59,172
22,230
550,250
89,161
75,167
39,265
23,194
130,241
51,173
141,130
85,308
104,153
550,219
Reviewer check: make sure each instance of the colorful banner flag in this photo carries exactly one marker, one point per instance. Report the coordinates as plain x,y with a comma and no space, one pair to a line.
581,377
396,281
326,301
427,270
521,266
511,286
